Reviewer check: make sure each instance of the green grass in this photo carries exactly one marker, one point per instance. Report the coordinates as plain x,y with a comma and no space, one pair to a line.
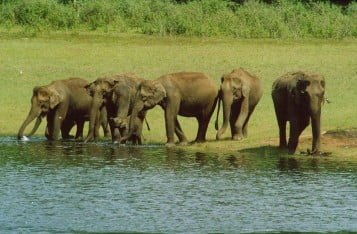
28,62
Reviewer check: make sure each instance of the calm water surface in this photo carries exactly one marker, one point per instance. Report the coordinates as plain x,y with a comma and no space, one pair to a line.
73,187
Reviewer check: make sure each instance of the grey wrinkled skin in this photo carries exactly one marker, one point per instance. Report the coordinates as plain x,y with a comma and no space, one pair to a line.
64,103
297,98
189,94
117,94
240,92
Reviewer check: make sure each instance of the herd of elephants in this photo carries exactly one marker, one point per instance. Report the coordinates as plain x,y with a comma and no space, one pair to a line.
122,101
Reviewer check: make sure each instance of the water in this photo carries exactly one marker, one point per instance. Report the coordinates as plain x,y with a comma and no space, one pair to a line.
72,187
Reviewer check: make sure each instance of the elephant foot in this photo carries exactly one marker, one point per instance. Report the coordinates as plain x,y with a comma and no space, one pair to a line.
80,138
183,143
68,137
317,153
218,137
170,144
237,137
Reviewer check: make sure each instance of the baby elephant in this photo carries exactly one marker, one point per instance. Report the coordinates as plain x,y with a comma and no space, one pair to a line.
297,98
240,92
122,125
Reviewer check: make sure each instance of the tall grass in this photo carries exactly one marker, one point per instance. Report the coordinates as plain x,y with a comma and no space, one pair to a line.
253,19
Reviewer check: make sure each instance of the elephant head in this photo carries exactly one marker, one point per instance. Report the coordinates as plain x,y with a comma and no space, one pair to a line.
149,94
44,99
233,89
308,95
101,89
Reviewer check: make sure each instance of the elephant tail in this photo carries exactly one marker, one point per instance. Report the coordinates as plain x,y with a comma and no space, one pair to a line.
219,105
147,123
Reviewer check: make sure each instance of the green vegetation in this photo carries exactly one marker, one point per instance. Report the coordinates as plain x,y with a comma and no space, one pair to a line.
213,18
27,62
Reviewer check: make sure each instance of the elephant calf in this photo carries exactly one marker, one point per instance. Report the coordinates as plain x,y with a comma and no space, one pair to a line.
297,98
117,94
122,124
240,93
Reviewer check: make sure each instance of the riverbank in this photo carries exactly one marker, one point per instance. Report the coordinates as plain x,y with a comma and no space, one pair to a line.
26,62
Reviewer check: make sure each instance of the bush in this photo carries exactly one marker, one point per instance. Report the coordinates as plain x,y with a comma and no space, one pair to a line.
249,19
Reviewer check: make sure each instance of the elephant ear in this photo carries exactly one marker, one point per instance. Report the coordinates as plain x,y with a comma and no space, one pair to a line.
301,85
112,82
245,90
35,90
55,98
159,92
89,88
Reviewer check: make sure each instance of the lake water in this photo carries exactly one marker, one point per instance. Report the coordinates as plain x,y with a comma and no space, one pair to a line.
74,187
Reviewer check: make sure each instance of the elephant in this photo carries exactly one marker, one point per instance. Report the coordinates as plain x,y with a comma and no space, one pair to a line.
189,94
123,125
297,98
240,92
116,93
64,103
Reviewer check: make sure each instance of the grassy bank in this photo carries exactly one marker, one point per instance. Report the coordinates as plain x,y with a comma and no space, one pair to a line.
27,62
253,19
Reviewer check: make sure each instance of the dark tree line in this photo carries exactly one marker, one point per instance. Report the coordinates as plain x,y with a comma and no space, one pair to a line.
337,2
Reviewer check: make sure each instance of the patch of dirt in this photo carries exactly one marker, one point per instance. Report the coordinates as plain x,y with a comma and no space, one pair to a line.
340,138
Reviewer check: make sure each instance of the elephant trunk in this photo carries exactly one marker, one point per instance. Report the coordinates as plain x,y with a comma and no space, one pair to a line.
93,117
227,103
30,117
139,105
316,130
35,127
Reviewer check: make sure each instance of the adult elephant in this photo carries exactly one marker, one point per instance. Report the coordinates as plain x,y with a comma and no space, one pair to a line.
297,98
116,93
190,94
240,92
64,103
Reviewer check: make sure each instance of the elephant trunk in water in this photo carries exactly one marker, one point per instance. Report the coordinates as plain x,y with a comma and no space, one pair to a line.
30,117
227,103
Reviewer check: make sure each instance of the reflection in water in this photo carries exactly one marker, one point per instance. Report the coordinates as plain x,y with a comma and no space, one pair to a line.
100,187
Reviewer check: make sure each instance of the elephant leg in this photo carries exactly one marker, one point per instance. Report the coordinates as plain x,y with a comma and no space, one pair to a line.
233,118
281,119
245,125
296,128
49,127
171,112
105,128
66,127
242,117
202,129
79,132
59,116
47,134
282,134
116,136
179,133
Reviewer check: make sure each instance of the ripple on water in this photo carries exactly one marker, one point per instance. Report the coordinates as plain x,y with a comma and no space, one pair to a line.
100,187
